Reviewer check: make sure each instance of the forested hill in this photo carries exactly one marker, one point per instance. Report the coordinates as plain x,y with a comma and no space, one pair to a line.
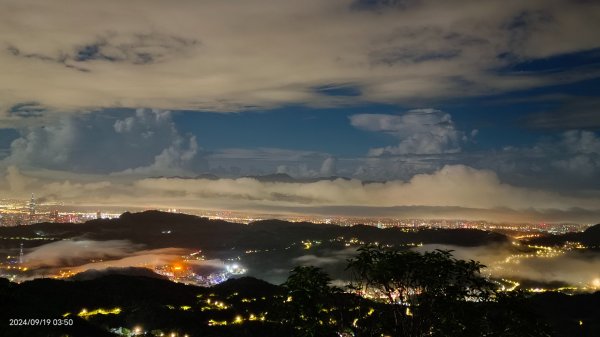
159,229
590,237
249,306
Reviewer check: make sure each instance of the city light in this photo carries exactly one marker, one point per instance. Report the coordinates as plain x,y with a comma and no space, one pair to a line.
84,313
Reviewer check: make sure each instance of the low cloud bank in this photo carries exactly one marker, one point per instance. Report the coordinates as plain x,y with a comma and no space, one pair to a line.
83,255
68,252
573,268
458,190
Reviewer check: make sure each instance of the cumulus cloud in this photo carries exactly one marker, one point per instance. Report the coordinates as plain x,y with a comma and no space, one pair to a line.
177,158
421,131
574,153
579,164
580,153
456,186
450,186
578,141
466,190
147,142
227,56
17,182
328,168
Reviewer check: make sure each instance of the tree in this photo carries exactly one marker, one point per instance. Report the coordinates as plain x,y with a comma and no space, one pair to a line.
309,302
423,291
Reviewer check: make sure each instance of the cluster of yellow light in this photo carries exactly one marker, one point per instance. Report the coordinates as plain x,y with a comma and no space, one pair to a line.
540,252
537,290
560,289
514,284
17,268
64,274
212,322
214,305
185,307
85,314
239,319
525,236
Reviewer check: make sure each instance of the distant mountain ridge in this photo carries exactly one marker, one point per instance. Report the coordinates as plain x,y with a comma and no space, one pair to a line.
269,178
157,229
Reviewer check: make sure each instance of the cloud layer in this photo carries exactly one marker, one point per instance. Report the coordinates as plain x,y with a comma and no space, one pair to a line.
237,55
81,255
452,186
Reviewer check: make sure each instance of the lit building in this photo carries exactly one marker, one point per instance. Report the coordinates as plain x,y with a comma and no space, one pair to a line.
32,209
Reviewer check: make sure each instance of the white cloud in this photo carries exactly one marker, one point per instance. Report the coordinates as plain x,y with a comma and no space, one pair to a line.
573,154
146,143
451,186
237,54
421,131
176,159
112,254
579,141
461,187
328,168
67,252
17,182
580,164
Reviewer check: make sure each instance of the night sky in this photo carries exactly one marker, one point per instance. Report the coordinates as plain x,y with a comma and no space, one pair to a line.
488,108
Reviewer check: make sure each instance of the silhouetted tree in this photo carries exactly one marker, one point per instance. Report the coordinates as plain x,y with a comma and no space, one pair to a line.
423,291
309,304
